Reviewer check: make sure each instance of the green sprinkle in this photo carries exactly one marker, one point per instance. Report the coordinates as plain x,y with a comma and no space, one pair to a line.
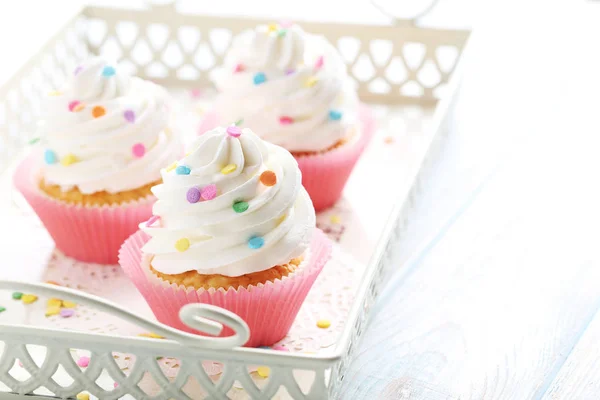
240,206
34,140
17,295
281,33
159,357
2,309
239,122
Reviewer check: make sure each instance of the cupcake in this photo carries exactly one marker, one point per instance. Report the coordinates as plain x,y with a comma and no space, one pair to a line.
232,227
292,89
104,139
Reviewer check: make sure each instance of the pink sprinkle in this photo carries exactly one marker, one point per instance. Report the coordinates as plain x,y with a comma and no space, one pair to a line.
290,71
129,116
239,68
319,62
66,312
20,363
209,192
234,131
196,93
152,220
285,120
138,150
73,104
286,23
115,385
280,348
83,361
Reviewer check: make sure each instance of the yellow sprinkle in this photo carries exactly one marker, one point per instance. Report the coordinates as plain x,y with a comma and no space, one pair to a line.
52,310
172,167
310,82
335,219
323,323
79,107
228,169
281,219
55,93
29,298
68,304
151,335
272,28
54,302
68,160
83,396
182,244
263,372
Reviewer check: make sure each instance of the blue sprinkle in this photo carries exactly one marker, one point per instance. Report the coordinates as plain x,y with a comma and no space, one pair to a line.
108,71
50,157
335,115
259,78
256,242
183,170
264,347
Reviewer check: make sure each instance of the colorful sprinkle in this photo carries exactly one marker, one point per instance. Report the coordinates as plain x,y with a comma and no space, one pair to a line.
67,312
239,122
69,159
55,93
228,169
286,23
323,323
116,384
280,348
264,347
239,68
83,361
272,28
138,150
240,206
259,78
183,170
234,131
152,220
52,310
389,140
69,304
108,71
74,106
34,140
54,302
290,71
195,93
2,309
98,111
263,372
53,283
310,82
256,242
151,335
79,107
209,192
50,157
182,244
335,115
282,33
171,167
29,298
335,219
268,178
129,116
281,219
286,120
17,295
78,69
319,62
193,195
83,396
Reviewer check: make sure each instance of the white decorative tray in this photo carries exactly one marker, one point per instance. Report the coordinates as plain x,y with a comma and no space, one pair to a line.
45,355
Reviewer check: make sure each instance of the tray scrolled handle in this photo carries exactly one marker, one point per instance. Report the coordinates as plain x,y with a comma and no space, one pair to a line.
202,317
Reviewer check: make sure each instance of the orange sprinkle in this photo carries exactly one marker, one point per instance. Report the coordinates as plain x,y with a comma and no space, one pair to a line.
79,107
268,178
98,111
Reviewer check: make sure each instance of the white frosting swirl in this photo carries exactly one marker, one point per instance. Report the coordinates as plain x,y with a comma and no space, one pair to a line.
218,236
291,108
106,131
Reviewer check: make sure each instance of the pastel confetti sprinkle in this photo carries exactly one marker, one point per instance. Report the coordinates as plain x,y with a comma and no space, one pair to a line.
108,71
78,69
69,159
55,93
183,170
17,295
209,192
290,71
151,335
68,304
240,206
182,244
196,93
53,283
281,33
286,120
272,28
268,178
29,298
83,361
67,312
152,220
228,169
50,157
83,396
239,68
281,219
171,167
193,195
310,82
286,23
98,112
264,347
323,323
79,107
2,309
259,78
389,140
34,140
319,62
234,131
263,372
335,219
54,302
239,122
280,348
256,242
74,104
335,115
138,150
129,116
52,310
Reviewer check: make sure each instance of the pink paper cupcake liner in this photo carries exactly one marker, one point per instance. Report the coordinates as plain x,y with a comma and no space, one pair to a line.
88,234
324,175
269,309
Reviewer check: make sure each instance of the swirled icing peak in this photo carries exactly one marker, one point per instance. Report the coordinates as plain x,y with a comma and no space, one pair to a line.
106,131
234,205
